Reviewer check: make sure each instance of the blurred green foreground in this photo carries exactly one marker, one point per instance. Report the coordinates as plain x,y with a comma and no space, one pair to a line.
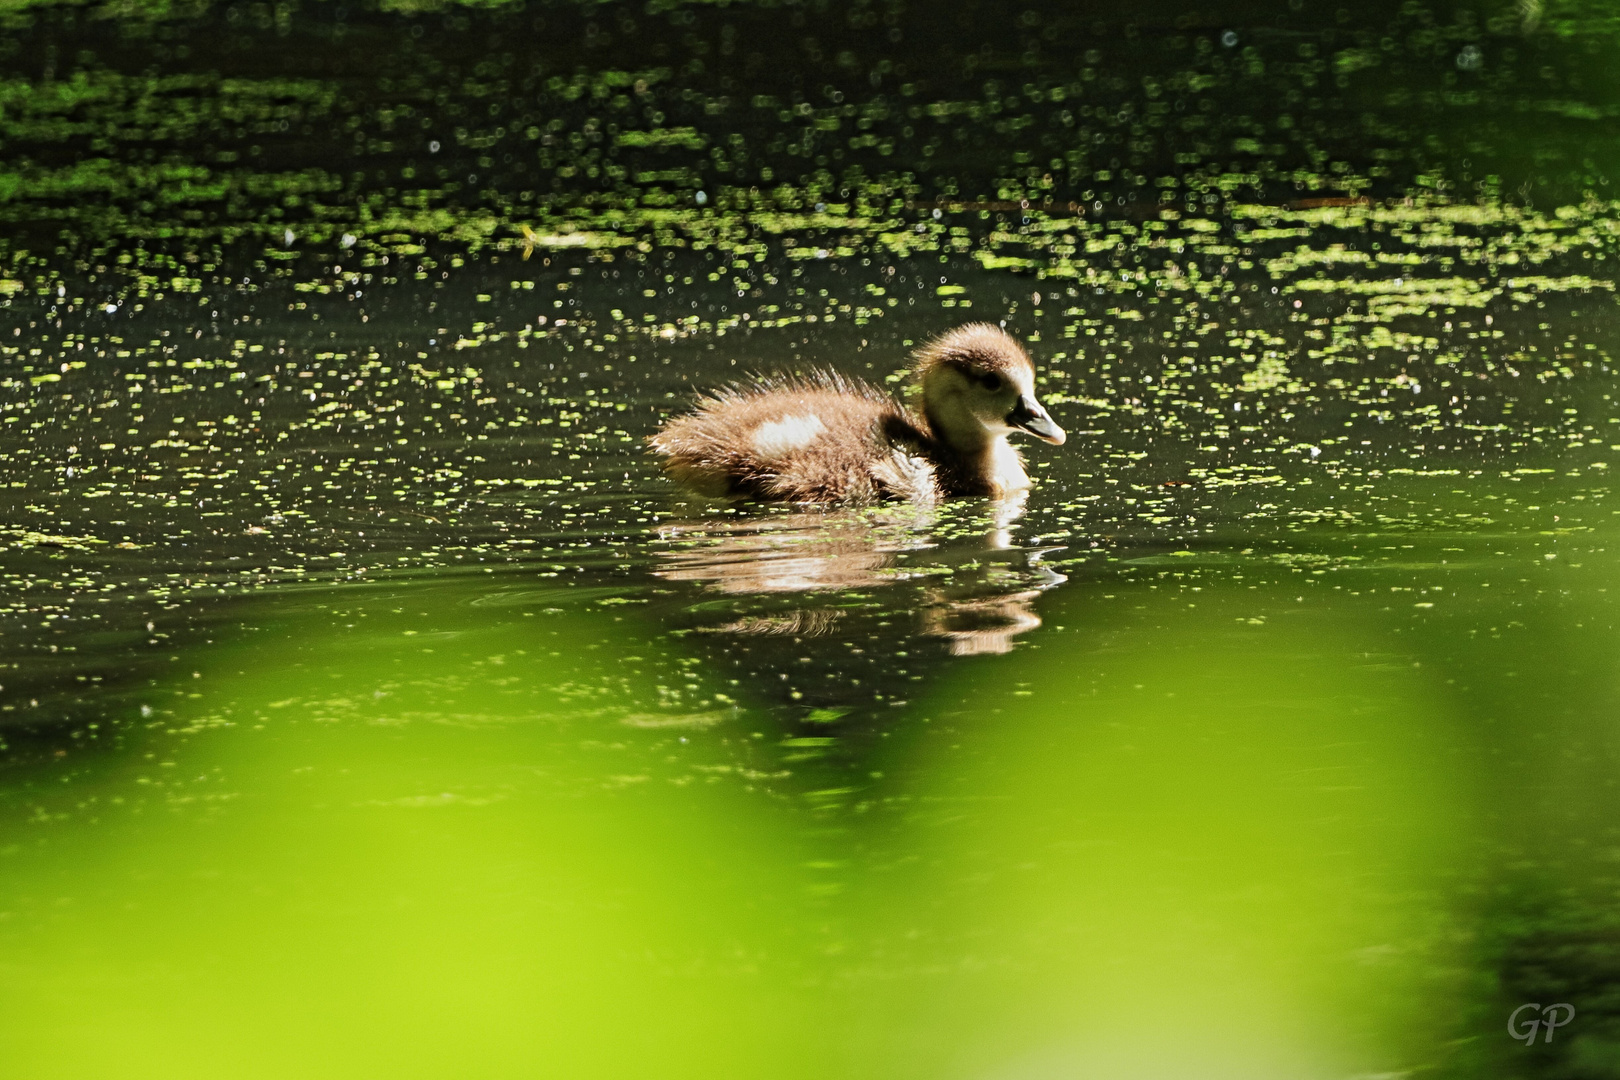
427,837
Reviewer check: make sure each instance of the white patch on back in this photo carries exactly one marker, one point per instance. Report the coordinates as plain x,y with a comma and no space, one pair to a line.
779,438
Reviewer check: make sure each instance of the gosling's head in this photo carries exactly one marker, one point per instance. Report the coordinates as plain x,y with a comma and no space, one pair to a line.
978,385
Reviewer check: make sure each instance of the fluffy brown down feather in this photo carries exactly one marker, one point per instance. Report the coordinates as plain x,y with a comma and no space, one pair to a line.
871,447
976,346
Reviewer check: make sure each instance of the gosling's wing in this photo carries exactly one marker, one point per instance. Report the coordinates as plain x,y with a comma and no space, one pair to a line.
902,474
803,438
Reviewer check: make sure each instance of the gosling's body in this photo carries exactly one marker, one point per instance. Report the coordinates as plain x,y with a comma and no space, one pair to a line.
821,438
829,438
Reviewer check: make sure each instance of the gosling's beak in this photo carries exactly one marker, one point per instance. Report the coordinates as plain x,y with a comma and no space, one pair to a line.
1028,416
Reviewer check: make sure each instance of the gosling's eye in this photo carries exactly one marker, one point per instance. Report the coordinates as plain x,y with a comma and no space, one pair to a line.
990,382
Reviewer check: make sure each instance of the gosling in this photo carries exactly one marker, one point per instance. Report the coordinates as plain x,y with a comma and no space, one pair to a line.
828,438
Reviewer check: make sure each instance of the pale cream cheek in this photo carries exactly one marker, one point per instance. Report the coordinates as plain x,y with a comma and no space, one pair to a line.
992,409
954,398
960,402
976,401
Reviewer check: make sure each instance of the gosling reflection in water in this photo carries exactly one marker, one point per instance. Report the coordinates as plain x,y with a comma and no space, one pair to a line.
983,627
797,552
811,623
842,551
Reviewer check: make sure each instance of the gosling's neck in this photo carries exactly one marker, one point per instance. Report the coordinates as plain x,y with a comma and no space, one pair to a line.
980,459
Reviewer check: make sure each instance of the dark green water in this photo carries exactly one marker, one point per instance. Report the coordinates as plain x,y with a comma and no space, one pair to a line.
371,704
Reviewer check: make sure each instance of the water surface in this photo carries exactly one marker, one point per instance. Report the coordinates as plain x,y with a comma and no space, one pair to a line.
364,679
